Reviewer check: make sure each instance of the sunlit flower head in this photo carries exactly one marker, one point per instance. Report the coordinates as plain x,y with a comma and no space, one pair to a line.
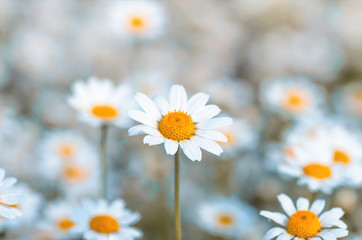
225,217
137,18
188,123
103,221
9,198
294,96
305,221
99,101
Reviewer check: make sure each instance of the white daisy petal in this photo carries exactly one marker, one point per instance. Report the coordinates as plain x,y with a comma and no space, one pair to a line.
215,123
333,223
2,174
143,129
334,213
6,212
196,101
287,204
315,238
191,150
212,135
8,182
284,236
162,104
302,204
208,145
171,146
205,113
152,140
178,97
327,236
338,233
142,118
276,217
148,106
133,232
13,198
274,232
318,206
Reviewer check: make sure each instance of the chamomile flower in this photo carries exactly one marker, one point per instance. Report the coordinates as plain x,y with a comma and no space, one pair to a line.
104,221
57,218
294,96
140,18
305,221
188,123
225,217
9,198
99,101
311,163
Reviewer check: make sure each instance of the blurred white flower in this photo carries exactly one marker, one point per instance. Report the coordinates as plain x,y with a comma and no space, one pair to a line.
103,221
138,18
225,217
180,122
100,102
305,221
293,96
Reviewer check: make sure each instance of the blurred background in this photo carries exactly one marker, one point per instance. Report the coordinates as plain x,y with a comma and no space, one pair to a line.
228,49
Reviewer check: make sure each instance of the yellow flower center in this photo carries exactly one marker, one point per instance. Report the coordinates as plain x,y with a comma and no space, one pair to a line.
318,171
225,220
177,126
341,157
104,224
303,224
74,173
104,112
65,224
296,101
66,150
137,24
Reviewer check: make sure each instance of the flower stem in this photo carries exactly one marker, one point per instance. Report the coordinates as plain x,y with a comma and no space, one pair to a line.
103,160
177,196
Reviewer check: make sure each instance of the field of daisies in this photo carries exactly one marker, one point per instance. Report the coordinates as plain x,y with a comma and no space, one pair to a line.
180,119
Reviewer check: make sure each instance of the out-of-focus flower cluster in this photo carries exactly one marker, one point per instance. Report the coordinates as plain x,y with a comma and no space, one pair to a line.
289,73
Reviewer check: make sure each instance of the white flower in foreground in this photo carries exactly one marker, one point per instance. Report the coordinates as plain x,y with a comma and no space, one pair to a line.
9,199
137,18
101,102
225,217
105,221
188,123
305,221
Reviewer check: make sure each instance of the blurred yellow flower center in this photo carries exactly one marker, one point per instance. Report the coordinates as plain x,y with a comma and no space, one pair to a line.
137,24
303,224
225,220
177,126
65,224
105,112
74,173
289,151
104,224
318,171
341,157
231,138
66,150
295,101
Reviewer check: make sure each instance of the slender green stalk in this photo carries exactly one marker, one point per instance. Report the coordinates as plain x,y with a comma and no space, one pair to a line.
177,196
103,161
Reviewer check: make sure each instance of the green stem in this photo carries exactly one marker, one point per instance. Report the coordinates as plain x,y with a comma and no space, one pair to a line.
103,160
177,196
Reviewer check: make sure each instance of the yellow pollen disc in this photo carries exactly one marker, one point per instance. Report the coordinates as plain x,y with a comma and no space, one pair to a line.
66,150
225,220
105,112
303,224
341,157
295,101
65,224
137,24
104,224
177,126
74,173
318,171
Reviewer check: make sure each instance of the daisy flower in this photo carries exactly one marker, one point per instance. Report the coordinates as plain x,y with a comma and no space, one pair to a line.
294,96
104,221
100,102
9,198
225,217
188,123
140,18
305,221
